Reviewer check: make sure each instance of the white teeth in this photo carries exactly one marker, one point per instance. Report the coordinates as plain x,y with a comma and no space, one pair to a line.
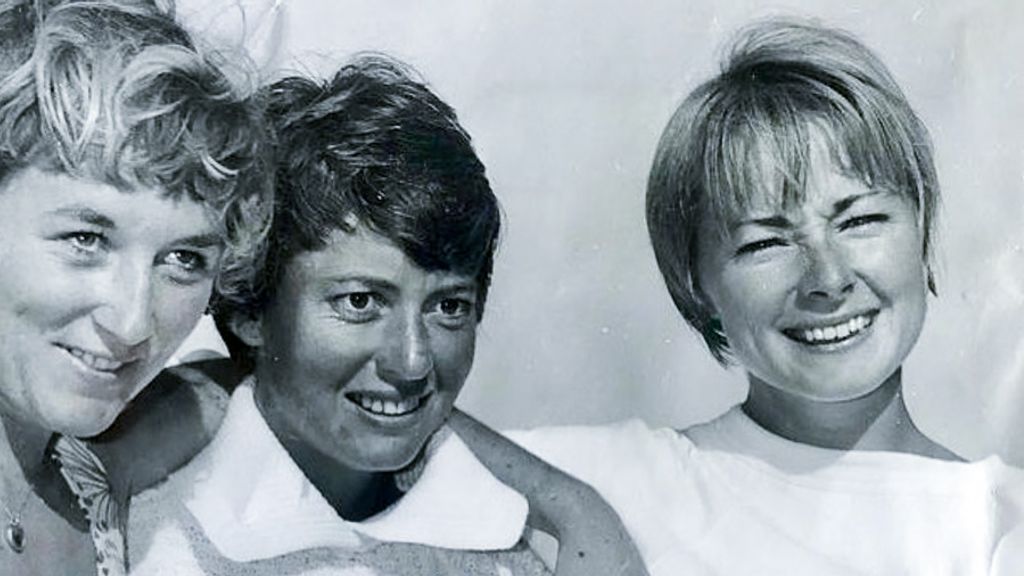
835,333
95,362
386,407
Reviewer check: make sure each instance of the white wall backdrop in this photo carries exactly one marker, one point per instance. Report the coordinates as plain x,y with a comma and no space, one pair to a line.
565,101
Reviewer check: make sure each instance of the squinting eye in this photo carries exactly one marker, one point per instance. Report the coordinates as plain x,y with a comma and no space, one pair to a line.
759,245
863,220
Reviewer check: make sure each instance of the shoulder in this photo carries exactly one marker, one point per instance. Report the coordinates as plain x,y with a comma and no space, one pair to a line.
573,446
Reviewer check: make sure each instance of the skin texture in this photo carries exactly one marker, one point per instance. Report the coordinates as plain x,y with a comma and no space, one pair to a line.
846,251
124,275
360,319
591,538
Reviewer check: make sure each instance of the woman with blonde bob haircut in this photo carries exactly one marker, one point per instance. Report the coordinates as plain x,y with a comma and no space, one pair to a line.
791,206
132,183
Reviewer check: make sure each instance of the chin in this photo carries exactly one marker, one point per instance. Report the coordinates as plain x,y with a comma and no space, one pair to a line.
86,421
391,458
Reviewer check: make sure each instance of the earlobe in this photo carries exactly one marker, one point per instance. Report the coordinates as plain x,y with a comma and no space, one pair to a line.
247,328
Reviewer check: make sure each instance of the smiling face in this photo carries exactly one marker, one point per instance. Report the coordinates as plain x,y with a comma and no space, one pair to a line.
99,287
361,352
825,299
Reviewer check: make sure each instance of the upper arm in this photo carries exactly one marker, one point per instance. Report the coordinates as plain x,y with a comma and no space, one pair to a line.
167,424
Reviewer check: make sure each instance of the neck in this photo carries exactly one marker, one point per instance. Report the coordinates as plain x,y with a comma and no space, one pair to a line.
877,421
26,471
354,494
22,452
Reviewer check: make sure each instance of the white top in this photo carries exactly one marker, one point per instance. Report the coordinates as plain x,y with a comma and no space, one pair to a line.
243,506
728,497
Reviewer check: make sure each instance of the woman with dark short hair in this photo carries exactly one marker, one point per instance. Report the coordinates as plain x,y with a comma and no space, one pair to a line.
131,186
334,456
791,206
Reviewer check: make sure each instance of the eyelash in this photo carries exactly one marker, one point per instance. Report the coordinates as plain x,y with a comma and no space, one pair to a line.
854,222
863,220
187,265
458,318
759,245
357,314
77,241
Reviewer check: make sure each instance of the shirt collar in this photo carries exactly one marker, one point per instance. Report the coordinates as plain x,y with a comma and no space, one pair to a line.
253,502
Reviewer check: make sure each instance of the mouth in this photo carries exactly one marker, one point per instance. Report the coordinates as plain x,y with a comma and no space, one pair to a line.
99,363
831,334
386,407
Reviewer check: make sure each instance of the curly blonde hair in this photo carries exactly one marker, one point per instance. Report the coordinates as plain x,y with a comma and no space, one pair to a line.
115,91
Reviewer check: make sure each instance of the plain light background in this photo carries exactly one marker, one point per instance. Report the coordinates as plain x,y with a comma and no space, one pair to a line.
565,101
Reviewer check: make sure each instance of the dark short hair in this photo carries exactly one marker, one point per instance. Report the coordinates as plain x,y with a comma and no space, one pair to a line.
746,134
115,91
375,147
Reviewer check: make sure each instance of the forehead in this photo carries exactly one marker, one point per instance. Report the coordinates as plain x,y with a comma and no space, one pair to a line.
772,173
364,254
30,194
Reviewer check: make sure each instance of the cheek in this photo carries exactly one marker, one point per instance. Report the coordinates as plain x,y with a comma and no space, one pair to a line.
750,297
896,267
316,349
453,357
178,310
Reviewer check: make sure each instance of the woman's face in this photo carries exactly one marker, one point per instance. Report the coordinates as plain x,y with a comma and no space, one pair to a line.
823,300
98,288
362,352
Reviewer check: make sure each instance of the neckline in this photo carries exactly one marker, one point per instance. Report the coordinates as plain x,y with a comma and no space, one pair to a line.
736,437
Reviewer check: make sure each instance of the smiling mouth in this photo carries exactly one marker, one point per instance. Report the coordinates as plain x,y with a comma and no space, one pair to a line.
832,334
386,407
92,361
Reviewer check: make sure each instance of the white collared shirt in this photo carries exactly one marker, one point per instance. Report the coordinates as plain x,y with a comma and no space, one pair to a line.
243,502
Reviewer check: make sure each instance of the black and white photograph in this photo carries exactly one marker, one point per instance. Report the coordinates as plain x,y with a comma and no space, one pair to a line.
569,288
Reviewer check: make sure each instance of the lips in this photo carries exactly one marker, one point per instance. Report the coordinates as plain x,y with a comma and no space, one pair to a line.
387,407
831,333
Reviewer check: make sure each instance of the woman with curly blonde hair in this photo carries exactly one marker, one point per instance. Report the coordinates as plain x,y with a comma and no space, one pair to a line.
132,185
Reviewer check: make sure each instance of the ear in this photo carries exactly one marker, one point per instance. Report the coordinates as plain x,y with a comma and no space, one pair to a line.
247,328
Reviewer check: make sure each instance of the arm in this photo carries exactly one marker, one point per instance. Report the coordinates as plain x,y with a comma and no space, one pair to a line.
165,425
590,534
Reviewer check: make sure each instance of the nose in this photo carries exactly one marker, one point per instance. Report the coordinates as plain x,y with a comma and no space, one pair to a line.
827,277
126,317
405,356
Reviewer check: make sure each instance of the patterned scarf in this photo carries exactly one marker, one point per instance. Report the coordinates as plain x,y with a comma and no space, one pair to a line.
87,478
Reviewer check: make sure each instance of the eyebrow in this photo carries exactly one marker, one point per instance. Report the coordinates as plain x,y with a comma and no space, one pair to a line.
91,216
201,240
84,214
780,221
384,285
843,205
